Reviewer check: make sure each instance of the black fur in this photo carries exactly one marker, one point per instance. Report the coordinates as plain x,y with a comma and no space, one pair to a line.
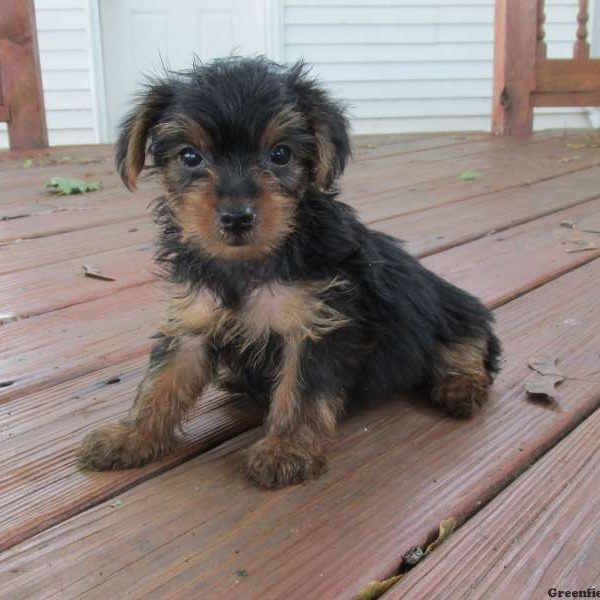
399,312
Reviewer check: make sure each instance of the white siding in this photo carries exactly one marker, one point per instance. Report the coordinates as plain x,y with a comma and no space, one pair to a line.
415,65
65,55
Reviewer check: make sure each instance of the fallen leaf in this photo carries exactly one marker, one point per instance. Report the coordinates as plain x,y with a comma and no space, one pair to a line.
117,503
65,186
27,163
543,385
581,246
96,273
576,146
376,589
241,573
569,224
445,529
544,364
8,318
470,175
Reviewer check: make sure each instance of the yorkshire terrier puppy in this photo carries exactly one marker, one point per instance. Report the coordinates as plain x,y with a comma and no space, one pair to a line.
278,290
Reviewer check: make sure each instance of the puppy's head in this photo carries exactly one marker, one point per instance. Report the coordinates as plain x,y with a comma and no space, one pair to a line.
237,143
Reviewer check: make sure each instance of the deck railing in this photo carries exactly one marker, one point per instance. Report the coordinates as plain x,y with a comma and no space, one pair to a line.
21,98
523,75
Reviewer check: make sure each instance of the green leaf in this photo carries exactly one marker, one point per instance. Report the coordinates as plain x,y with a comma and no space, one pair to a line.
65,186
27,163
470,175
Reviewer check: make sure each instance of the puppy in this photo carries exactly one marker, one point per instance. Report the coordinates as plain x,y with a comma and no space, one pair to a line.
278,290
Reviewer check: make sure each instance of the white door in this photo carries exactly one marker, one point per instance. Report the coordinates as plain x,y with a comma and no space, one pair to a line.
138,36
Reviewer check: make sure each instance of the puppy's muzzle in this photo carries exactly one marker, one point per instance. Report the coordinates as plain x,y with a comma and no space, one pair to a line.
236,220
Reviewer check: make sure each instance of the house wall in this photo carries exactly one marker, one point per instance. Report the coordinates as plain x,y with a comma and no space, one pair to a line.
64,37
415,65
402,65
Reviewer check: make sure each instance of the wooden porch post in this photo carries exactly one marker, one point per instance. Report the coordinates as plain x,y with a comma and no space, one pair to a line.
21,75
516,28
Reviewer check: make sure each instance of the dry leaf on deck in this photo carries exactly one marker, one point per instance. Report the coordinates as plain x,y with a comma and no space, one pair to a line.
8,318
376,589
470,175
65,186
543,385
96,273
445,529
576,146
581,246
544,364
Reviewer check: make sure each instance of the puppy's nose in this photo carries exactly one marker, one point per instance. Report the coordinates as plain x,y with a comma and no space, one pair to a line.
237,219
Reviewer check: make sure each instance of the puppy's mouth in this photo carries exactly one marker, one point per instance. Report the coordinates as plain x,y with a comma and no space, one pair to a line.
237,238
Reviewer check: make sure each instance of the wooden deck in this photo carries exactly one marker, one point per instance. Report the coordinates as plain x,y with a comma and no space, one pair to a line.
522,478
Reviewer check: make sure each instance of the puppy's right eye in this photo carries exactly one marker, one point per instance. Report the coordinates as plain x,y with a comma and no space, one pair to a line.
190,157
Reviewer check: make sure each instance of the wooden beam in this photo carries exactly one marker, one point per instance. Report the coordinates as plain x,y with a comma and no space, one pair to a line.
3,114
21,75
566,98
567,75
516,36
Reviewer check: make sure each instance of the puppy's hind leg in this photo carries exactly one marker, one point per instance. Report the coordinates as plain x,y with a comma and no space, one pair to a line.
179,370
461,378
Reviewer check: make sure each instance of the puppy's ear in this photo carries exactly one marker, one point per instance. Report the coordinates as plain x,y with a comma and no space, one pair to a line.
135,130
329,124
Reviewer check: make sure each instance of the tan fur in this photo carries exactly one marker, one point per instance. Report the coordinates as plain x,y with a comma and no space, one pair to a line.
188,130
462,380
276,130
296,312
196,213
277,461
136,149
326,157
165,396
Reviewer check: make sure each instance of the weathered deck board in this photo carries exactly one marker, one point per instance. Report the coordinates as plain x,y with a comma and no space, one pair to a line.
519,258
39,252
204,522
464,221
39,352
433,179
59,284
542,532
396,471
543,256
117,327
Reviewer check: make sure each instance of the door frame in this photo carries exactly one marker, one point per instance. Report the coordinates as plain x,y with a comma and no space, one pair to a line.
272,9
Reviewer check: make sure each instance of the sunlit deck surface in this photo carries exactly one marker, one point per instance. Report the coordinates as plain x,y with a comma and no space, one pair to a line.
522,478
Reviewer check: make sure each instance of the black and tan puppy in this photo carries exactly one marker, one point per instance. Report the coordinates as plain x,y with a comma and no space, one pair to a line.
277,289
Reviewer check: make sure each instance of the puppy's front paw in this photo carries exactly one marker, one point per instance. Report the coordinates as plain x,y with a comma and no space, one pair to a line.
115,446
460,394
275,462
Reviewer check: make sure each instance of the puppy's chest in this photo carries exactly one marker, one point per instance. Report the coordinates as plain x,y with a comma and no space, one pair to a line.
293,311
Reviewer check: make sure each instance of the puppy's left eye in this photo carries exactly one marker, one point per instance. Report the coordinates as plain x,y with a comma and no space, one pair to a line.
190,157
280,155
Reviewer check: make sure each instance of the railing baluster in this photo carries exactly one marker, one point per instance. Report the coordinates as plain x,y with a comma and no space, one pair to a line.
541,32
581,50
